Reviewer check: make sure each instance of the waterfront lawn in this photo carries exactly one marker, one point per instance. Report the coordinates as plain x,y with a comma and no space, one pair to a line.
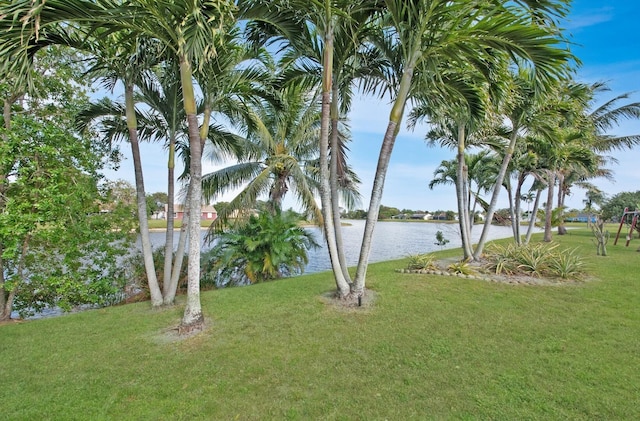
429,348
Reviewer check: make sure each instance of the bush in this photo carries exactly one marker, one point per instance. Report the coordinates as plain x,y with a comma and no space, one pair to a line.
266,247
533,260
421,262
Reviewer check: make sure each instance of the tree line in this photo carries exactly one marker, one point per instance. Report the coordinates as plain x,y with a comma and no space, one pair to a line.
269,85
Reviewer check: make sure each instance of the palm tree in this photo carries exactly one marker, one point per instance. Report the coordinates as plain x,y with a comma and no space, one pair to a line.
268,247
479,172
116,58
278,158
188,29
426,34
324,47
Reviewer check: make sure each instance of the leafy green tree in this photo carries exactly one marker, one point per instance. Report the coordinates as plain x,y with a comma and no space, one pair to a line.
59,248
387,212
613,208
267,247
156,202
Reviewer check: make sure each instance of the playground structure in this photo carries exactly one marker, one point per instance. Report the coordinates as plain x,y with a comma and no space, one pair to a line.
631,218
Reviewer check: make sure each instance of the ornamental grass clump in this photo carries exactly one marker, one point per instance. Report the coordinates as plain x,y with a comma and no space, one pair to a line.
421,262
539,260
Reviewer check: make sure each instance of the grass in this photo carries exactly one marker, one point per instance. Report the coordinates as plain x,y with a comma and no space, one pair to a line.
429,348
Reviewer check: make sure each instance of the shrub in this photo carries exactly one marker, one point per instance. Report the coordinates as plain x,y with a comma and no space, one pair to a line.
421,262
462,267
533,260
266,247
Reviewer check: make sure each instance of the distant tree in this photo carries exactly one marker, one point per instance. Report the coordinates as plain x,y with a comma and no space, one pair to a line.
119,193
156,202
387,212
614,207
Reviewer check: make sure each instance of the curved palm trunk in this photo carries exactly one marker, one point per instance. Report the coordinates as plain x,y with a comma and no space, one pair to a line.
147,251
462,190
395,118
533,217
192,319
325,190
333,180
496,192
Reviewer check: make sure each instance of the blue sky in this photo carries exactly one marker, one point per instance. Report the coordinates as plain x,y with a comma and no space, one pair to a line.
607,41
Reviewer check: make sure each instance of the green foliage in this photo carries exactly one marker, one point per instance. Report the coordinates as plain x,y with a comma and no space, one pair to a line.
266,247
59,249
387,212
567,265
614,207
540,259
421,262
440,240
461,267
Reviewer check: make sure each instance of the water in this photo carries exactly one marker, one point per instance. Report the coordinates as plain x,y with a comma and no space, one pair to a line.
391,240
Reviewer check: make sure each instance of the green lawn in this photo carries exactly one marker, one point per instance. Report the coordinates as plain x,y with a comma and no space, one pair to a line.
429,348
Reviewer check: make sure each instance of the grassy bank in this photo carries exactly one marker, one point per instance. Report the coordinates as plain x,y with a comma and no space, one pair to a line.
430,347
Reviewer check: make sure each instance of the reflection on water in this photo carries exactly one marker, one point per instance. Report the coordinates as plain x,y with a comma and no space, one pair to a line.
391,240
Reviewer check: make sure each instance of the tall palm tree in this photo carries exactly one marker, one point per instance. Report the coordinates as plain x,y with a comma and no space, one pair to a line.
324,42
119,58
188,29
278,158
426,34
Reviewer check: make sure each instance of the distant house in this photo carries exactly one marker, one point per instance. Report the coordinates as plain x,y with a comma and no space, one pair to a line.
208,212
581,217
423,216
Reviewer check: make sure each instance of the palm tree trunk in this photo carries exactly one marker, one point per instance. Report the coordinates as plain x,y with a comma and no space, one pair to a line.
496,192
461,194
3,294
184,231
549,207
561,196
334,174
147,251
325,190
192,319
168,296
533,217
518,210
390,135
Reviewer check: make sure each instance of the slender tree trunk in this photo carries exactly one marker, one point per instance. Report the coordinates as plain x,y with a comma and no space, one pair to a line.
167,295
496,192
518,208
461,193
342,283
184,230
334,174
192,319
533,217
147,250
3,177
395,119
549,207
562,230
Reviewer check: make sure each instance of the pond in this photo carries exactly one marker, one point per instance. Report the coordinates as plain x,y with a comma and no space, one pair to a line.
391,240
